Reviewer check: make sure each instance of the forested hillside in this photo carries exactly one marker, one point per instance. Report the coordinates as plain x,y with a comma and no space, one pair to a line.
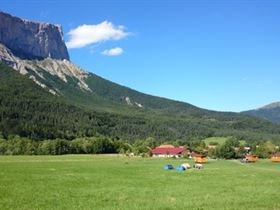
30,111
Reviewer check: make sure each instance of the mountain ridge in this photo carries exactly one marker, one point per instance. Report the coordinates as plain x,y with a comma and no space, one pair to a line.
104,107
271,105
270,112
131,122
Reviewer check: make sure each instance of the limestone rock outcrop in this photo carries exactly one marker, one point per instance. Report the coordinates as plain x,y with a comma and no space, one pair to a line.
32,40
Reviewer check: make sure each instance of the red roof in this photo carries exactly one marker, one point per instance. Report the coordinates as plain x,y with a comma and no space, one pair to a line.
170,151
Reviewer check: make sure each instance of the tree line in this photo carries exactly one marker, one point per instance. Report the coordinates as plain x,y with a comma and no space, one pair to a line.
233,149
16,145
230,149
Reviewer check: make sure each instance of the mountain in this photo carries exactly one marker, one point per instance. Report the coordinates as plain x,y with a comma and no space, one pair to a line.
272,106
269,112
46,96
32,40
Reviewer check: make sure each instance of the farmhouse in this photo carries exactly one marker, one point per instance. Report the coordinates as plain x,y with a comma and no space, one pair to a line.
199,158
275,157
168,151
251,158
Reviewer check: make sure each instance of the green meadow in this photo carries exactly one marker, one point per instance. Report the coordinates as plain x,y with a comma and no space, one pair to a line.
115,182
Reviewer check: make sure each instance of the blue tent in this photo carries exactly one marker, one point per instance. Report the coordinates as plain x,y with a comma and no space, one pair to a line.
168,167
180,168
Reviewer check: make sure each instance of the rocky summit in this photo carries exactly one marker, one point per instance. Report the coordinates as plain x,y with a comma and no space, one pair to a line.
32,40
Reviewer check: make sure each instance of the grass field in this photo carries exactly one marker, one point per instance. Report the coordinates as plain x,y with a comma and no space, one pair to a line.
107,182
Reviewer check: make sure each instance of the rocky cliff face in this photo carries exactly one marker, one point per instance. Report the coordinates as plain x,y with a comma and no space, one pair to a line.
63,70
32,40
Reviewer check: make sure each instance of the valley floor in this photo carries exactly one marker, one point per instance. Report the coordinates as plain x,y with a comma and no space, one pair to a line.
114,182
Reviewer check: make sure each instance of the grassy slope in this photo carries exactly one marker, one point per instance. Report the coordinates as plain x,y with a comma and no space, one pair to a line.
102,182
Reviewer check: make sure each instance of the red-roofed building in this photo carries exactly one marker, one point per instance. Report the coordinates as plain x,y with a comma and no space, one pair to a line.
168,151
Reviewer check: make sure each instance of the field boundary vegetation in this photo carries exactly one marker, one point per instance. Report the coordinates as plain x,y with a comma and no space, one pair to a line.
224,148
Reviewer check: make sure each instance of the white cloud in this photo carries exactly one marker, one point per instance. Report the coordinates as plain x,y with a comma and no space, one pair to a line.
113,52
85,35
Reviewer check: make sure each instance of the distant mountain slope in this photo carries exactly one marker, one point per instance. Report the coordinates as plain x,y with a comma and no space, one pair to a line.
272,106
269,112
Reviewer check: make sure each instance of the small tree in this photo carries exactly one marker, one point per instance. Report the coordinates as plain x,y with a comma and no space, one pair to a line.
264,150
227,150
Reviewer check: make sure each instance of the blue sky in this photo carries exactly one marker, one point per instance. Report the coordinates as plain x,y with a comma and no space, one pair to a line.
219,55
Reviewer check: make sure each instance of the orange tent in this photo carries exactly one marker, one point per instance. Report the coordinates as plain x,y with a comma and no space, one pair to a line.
275,158
198,158
251,158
